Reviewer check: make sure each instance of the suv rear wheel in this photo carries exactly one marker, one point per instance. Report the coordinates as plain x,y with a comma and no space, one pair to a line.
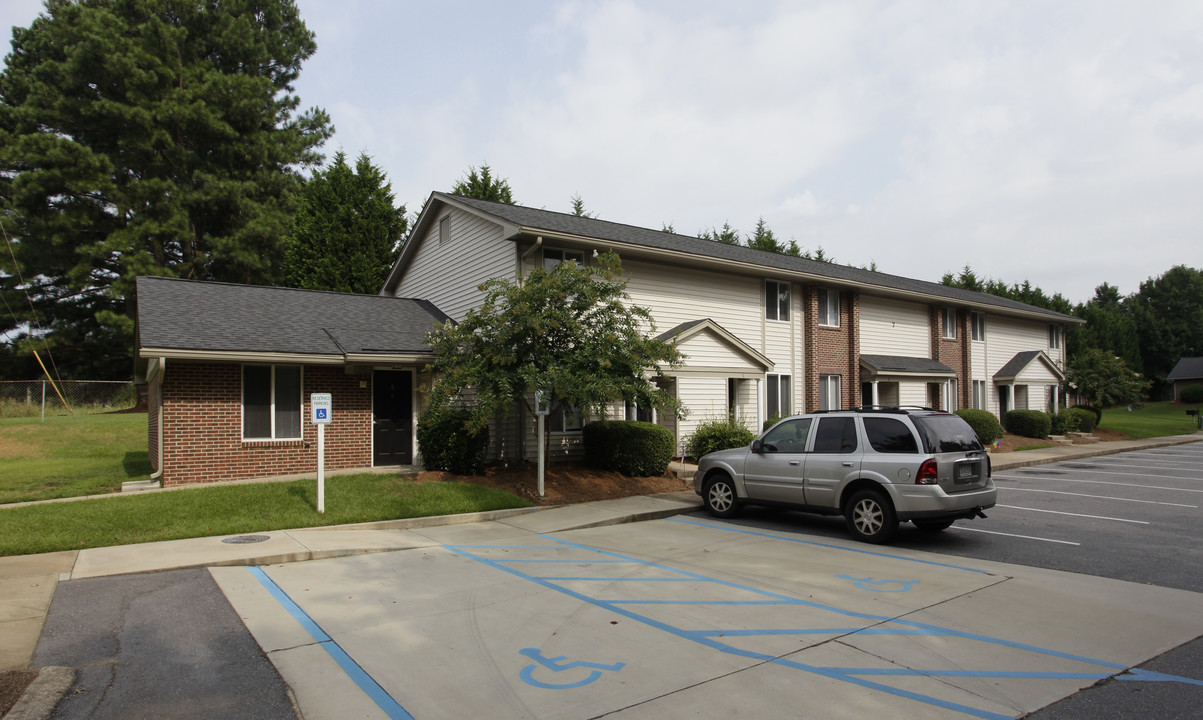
870,516
720,498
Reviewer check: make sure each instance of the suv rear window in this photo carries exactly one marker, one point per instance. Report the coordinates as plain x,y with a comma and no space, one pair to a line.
946,433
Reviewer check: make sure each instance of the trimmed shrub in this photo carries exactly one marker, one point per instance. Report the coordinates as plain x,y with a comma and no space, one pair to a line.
1064,421
1098,412
635,449
983,423
1086,419
1192,395
1028,423
715,435
446,445
770,423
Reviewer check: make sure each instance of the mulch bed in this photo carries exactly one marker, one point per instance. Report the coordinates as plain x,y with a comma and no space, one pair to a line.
12,684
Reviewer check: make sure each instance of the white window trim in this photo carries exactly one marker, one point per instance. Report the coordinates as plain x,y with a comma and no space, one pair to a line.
829,304
576,255
949,319
772,300
979,399
785,405
444,228
1054,337
977,323
949,391
829,392
272,412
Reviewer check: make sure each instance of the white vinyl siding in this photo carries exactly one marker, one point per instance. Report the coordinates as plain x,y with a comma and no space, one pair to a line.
892,327
475,252
1007,337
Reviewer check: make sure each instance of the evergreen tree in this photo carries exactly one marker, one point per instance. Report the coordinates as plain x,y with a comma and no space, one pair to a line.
578,207
346,229
727,235
763,238
483,186
148,137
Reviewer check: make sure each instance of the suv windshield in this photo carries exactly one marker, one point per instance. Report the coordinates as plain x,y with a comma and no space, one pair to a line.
946,433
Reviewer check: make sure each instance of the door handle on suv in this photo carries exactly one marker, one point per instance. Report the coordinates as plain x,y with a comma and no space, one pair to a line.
847,463
795,462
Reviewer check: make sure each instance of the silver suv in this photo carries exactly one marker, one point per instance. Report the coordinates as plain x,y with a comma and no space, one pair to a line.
875,466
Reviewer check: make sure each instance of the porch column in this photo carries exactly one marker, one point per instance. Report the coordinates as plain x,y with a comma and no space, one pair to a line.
874,394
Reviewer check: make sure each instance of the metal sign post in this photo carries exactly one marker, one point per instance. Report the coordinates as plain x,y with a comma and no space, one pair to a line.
542,410
321,408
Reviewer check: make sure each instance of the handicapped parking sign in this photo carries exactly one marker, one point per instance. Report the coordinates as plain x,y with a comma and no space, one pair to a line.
321,408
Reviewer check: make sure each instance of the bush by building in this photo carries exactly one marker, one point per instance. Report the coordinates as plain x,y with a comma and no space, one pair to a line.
1028,423
635,449
719,434
983,423
446,445
1192,395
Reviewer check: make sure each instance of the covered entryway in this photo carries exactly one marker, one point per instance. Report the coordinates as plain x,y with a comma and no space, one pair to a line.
392,417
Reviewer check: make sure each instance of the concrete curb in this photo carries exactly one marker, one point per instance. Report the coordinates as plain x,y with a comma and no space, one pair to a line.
42,695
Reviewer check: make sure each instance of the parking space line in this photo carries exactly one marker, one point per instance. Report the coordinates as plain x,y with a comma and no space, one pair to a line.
830,546
1094,482
1059,512
1024,537
882,625
1097,497
370,687
1060,469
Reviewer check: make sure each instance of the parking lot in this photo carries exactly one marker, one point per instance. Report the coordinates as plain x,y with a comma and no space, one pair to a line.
777,614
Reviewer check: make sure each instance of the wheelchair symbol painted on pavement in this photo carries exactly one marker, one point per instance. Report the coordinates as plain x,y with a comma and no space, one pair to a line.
865,583
557,664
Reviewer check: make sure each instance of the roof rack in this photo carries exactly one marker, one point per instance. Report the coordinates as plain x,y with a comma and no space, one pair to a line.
895,409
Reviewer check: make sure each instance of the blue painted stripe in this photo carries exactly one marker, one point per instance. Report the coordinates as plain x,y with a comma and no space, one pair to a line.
358,675
829,545
706,602
614,579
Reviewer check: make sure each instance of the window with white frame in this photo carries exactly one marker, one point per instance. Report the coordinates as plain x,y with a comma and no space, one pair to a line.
829,392
777,392
553,257
978,322
829,307
444,228
1054,337
950,395
776,300
271,402
949,319
564,418
979,394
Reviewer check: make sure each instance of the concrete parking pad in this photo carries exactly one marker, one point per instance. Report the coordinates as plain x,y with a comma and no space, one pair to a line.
684,617
27,584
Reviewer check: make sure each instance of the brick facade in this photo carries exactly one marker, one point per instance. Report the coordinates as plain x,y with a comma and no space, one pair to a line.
202,426
831,350
953,353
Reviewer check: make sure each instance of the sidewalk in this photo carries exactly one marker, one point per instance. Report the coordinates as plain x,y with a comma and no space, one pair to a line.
27,583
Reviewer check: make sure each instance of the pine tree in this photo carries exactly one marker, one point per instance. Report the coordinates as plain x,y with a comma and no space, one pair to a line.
483,186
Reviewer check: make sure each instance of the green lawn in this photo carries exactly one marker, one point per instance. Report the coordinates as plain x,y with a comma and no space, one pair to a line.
66,457
1152,420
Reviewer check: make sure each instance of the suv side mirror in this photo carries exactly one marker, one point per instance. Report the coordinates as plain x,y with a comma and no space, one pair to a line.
756,446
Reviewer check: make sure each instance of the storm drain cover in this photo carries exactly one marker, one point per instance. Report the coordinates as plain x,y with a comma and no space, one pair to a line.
246,539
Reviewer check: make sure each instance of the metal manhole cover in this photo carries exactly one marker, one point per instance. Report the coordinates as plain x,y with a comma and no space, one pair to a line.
246,539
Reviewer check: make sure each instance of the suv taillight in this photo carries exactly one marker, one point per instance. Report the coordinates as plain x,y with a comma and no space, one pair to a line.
927,473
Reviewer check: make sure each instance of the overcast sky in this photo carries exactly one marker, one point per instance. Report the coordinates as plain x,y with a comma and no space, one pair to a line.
1058,142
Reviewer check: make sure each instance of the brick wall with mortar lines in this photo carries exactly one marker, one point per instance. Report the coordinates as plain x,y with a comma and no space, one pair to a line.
953,353
831,351
202,426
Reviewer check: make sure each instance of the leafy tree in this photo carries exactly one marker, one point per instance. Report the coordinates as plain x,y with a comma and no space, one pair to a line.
483,186
346,229
727,235
1109,326
148,137
763,238
578,207
1168,314
1104,379
567,332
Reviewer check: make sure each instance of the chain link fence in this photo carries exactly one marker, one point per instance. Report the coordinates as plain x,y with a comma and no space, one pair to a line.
33,398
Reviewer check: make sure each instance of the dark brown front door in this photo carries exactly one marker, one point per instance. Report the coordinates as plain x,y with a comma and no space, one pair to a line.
392,415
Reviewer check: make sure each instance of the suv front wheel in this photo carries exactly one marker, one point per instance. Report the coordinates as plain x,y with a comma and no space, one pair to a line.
720,498
870,516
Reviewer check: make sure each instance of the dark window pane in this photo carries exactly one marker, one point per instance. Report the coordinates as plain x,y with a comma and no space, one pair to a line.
887,435
256,401
772,394
288,402
836,435
946,433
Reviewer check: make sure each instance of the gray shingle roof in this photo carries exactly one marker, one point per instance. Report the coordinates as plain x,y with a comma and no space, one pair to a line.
532,219
209,316
900,363
1187,369
1016,364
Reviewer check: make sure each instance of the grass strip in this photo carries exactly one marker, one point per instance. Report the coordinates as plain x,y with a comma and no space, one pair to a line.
236,509
1152,420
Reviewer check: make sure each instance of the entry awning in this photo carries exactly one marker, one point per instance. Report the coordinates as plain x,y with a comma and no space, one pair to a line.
1032,366
874,366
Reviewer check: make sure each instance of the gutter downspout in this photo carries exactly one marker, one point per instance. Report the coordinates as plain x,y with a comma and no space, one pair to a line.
162,369
522,258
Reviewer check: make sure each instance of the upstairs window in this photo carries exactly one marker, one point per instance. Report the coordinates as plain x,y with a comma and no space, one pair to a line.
829,307
444,228
977,321
1054,337
776,300
949,320
553,257
271,402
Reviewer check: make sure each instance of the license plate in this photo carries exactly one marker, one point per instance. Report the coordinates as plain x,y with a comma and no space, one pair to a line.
966,472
